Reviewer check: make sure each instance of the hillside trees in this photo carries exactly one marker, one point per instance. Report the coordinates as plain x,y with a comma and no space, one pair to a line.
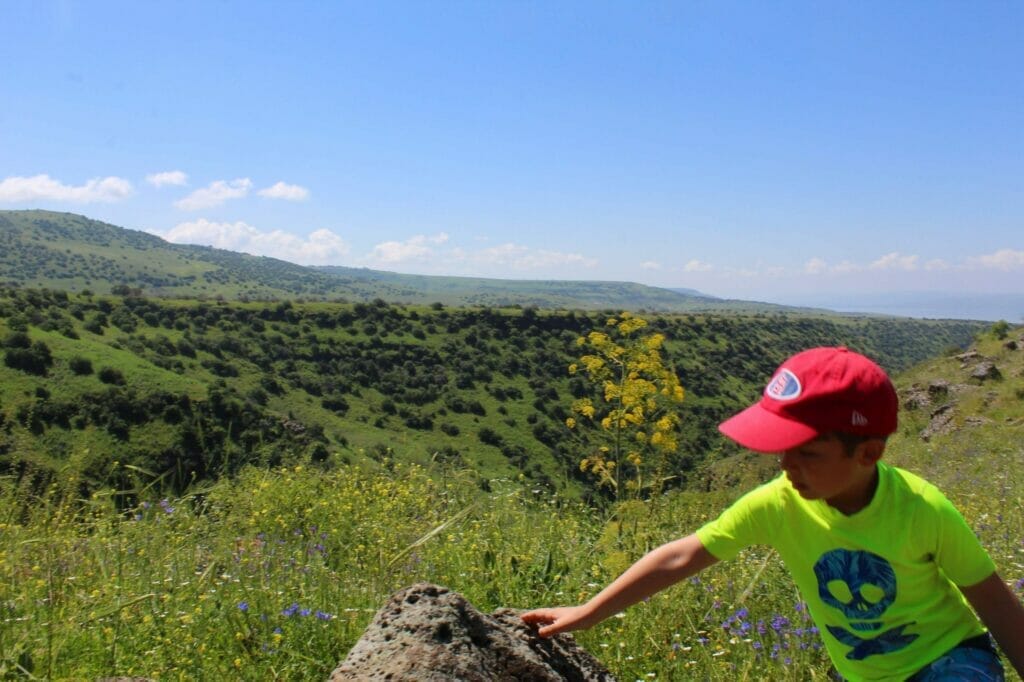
466,370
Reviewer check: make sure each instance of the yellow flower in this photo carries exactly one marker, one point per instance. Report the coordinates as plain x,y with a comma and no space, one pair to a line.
570,422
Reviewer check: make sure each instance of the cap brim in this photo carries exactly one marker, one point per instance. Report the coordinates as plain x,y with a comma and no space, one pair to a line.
762,431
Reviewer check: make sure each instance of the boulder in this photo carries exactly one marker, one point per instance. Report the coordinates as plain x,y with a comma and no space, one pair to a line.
985,370
965,358
427,633
915,398
941,423
938,388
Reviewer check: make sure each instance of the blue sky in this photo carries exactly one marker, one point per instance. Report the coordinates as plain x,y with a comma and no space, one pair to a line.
756,150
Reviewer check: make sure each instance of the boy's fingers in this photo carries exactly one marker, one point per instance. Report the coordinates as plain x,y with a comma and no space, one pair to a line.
539,616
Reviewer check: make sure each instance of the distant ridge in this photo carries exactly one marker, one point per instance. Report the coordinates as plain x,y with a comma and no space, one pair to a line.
67,251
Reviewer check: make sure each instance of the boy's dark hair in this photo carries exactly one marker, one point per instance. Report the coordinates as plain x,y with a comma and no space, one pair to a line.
851,441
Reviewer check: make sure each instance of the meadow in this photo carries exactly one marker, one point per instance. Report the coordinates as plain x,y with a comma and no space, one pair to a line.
273,574
262,569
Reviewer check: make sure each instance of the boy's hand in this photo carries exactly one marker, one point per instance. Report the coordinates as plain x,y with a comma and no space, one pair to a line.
560,619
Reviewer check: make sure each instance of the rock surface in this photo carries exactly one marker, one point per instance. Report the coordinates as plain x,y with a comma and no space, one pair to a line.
426,633
986,370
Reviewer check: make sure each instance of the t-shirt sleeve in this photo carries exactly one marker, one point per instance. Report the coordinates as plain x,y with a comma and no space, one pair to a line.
743,524
958,552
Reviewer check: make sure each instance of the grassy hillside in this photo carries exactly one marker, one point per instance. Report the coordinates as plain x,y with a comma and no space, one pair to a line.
274,573
73,253
187,391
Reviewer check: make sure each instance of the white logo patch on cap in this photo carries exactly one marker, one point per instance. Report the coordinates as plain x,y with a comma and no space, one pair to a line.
784,386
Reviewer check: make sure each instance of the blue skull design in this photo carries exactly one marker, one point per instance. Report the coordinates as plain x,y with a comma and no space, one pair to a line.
870,583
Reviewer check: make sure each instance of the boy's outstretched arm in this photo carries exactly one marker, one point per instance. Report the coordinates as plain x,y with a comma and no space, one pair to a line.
658,569
1003,615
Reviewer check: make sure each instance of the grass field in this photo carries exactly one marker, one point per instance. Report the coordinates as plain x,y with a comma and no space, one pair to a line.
274,574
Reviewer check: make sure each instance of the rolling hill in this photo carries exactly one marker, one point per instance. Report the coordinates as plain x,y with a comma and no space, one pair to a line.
70,252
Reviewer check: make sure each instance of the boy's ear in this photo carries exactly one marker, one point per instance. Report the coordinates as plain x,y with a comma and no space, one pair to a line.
870,451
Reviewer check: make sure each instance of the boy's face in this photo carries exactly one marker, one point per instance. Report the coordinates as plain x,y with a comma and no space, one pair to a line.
822,470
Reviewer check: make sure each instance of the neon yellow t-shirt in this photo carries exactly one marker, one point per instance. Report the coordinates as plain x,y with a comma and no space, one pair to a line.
881,583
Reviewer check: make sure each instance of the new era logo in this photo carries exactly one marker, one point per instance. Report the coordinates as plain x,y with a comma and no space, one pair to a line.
857,419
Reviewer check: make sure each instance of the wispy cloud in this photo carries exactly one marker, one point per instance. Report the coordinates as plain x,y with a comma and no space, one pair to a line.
895,261
168,178
815,266
650,265
415,248
520,257
321,247
215,194
45,188
1004,259
695,265
285,191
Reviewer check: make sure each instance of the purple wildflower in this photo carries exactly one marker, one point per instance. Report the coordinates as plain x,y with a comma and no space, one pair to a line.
323,616
291,610
243,606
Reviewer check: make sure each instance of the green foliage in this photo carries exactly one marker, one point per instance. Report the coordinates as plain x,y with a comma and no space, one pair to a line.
267,382
1000,329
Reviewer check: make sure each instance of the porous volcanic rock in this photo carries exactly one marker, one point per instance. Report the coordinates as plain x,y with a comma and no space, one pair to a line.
427,633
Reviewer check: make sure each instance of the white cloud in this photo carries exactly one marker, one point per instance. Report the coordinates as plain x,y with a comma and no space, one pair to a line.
321,247
815,266
521,257
651,265
215,194
895,261
936,265
846,267
43,188
414,248
175,178
1004,259
697,266
284,191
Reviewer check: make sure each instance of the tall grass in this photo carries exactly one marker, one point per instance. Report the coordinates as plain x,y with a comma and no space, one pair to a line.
275,574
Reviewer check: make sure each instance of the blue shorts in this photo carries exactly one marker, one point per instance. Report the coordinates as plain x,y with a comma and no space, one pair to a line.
973,660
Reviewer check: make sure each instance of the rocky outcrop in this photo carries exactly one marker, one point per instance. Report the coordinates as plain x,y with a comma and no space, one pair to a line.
941,423
426,633
986,370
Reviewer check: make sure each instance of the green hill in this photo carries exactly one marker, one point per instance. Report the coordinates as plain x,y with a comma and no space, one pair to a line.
185,390
73,253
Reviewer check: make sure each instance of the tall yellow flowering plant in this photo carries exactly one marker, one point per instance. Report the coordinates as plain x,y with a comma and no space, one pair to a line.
633,412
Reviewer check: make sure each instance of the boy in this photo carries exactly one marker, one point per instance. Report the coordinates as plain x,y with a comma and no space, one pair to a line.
885,563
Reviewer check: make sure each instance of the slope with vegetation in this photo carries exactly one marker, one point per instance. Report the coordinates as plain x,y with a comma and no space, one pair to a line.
274,573
189,391
73,253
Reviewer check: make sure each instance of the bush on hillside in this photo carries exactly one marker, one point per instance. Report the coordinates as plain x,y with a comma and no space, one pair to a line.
36,359
109,375
80,366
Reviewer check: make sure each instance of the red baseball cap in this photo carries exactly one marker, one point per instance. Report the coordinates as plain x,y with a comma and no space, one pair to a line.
814,392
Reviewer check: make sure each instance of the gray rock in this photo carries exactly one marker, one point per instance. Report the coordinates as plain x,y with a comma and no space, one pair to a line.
941,423
986,370
915,398
426,633
938,388
964,358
